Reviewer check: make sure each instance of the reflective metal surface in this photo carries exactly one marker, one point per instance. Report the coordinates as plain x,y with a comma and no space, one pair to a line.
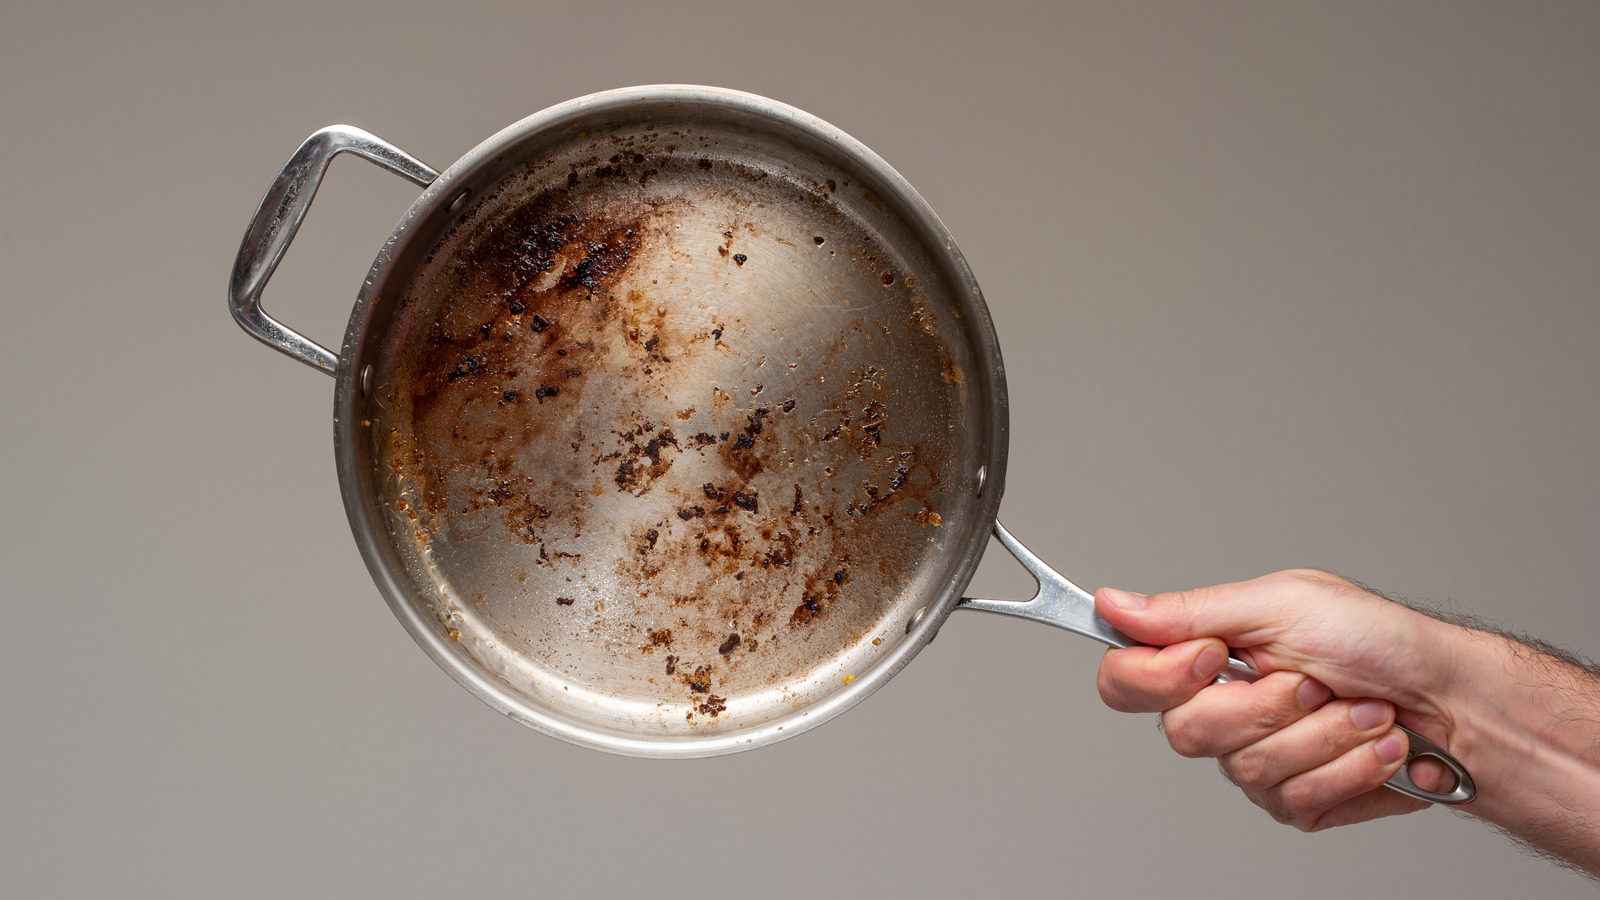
661,415
278,218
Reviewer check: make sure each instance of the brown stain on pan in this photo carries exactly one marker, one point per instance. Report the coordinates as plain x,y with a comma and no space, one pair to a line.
585,402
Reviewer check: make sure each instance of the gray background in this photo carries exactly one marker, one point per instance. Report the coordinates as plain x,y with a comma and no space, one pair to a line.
1277,285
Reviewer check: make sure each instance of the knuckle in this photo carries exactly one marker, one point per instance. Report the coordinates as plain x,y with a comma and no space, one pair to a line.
1314,578
1248,770
1323,582
1110,690
1297,800
1321,823
1227,776
1120,689
1271,808
1336,733
1265,713
1185,735
1173,684
1271,803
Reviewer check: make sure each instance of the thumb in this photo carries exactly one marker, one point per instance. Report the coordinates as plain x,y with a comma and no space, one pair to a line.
1243,615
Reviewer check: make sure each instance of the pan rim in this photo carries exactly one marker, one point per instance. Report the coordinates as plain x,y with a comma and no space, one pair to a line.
375,544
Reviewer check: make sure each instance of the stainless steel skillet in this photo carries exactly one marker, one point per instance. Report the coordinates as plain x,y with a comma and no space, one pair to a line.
669,420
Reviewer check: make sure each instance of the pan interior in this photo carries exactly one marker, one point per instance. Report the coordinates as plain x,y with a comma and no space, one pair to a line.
675,425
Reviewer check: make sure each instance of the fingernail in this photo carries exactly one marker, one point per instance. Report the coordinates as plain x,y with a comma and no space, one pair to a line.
1390,748
1126,599
1209,662
1312,694
1368,714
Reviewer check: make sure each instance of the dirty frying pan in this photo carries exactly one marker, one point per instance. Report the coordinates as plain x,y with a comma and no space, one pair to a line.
669,420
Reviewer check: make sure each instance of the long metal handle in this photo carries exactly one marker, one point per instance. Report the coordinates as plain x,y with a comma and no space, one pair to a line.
278,218
1063,604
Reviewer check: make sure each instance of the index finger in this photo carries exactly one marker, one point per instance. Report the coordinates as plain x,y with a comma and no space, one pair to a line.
1155,679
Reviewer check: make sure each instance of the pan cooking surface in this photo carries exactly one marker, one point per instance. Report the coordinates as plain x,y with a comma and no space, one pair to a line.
673,429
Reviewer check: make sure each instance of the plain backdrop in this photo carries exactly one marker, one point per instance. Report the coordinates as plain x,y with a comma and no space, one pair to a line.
1277,284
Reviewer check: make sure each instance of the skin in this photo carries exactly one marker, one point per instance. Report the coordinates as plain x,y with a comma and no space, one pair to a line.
1525,723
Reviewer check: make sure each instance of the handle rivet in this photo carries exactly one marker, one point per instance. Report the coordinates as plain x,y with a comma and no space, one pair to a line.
366,379
915,618
460,200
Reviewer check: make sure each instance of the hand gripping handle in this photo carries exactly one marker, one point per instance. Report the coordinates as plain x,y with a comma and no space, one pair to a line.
1063,604
279,217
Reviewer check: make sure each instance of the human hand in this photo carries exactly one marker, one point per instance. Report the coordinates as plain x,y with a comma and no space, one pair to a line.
1309,760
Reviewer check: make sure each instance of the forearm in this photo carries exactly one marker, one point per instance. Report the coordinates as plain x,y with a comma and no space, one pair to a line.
1527,726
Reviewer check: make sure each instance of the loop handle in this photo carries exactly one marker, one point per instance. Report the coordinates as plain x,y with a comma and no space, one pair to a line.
279,217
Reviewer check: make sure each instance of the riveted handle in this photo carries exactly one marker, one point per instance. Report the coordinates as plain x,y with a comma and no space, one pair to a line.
279,217
1063,604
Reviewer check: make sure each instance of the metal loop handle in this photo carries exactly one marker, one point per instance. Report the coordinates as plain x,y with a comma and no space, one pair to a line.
1466,790
1063,604
279,217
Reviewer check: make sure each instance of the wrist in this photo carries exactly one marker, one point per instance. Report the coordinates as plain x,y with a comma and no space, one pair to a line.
1527,726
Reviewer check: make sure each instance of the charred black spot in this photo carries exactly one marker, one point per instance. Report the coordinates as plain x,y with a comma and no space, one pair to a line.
601,260
745,501
900,475
754,427
539,323
468,366
740,258
545,390
729,644
634,472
